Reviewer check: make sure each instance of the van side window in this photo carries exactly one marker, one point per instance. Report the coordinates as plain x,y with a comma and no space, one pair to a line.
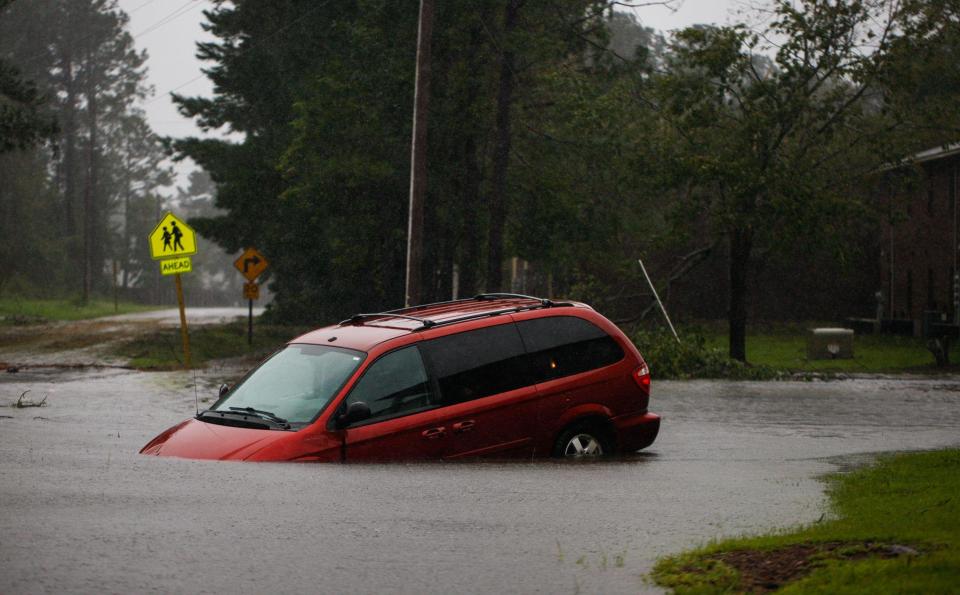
478,363
565,345
394,384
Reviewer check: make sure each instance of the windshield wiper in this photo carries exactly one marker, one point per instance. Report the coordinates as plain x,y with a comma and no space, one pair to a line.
263,414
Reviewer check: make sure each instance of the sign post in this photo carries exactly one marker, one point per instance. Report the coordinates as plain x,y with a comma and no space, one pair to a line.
251,265
184,335
172,242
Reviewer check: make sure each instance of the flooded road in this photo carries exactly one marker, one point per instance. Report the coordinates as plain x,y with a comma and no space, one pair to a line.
80,511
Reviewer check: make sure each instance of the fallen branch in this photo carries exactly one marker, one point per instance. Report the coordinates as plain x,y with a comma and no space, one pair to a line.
21,404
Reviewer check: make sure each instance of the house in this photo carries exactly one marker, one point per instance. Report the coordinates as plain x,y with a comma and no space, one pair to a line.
920,249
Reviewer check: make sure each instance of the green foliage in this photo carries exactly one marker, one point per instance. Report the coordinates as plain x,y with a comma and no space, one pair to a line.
22,118
320,182
778,352
906,499
71,209
772,153
693,358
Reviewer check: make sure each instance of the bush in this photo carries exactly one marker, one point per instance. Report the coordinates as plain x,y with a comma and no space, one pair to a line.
691,358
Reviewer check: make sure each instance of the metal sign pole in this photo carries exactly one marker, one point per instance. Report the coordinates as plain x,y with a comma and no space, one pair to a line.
250,322
183,321
662,309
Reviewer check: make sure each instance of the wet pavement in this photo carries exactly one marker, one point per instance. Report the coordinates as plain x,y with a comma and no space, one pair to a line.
80,511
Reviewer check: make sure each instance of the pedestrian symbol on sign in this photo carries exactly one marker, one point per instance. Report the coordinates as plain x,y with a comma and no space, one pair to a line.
172,238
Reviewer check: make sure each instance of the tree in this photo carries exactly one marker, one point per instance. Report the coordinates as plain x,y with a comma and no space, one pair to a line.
80,55
23,118
767,152
921,77
322,93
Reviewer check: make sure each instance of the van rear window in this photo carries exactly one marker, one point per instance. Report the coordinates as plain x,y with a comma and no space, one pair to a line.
565,345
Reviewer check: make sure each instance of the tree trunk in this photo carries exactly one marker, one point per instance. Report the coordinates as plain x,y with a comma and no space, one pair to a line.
125,253
470,254
501,156
68,116
741,244
470,264
89,201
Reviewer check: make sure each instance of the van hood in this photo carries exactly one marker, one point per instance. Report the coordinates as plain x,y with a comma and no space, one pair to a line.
195,439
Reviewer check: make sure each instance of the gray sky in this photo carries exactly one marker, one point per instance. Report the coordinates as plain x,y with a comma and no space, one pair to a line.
170,29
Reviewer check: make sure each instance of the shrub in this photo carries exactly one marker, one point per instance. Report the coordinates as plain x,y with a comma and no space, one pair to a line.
691,358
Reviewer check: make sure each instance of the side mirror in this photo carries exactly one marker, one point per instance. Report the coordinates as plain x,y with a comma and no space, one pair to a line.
355,412
224,389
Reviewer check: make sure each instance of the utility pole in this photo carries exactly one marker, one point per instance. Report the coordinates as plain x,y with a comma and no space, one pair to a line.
418,155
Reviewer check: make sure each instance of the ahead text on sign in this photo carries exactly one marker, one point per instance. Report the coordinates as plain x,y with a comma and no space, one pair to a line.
173,266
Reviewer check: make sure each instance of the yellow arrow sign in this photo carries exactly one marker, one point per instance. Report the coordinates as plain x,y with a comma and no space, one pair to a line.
172,237
251,263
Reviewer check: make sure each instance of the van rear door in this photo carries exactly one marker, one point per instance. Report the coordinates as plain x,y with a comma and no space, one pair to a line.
489,403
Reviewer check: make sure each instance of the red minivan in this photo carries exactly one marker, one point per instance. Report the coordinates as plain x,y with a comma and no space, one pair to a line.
497,375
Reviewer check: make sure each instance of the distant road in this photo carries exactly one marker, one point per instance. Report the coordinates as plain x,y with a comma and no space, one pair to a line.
87,342
194,315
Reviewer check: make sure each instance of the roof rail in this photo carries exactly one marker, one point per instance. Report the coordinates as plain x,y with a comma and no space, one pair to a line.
492,296
428,323
358,317
425,306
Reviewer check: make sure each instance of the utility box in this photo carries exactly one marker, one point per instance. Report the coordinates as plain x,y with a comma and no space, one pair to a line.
830,343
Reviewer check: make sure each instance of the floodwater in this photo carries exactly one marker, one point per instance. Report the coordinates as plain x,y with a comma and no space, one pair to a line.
80,511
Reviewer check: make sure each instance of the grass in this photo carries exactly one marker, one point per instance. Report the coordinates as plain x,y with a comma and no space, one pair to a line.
163,349
904,500
785,350
23,310
778,351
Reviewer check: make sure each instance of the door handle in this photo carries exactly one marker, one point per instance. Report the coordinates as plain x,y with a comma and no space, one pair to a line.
434,433
464,426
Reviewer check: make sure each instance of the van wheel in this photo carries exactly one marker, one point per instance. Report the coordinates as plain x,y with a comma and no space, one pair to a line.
582,441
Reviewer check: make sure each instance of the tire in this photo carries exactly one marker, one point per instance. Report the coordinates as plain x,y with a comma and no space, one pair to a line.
583,441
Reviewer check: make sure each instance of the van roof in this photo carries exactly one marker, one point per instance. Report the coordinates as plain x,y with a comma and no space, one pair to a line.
363,331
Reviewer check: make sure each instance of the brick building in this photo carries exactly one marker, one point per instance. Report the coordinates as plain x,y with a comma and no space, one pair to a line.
919,253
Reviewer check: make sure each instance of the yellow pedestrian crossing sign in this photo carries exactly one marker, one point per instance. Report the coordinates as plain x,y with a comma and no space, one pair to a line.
172,238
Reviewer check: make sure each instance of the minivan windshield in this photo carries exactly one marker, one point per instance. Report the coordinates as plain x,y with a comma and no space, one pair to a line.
294,384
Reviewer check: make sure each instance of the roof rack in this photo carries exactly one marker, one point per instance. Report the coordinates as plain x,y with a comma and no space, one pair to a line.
492,296
427,323
358,317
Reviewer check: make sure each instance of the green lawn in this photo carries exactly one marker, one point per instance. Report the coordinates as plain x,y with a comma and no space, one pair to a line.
872,353
21,310
164,349
910,500
774,351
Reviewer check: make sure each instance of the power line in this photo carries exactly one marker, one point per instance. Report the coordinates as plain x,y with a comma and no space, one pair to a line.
156,25
244,50
184,9
147,3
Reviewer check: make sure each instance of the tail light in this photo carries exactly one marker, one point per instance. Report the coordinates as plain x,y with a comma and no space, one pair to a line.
642,377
